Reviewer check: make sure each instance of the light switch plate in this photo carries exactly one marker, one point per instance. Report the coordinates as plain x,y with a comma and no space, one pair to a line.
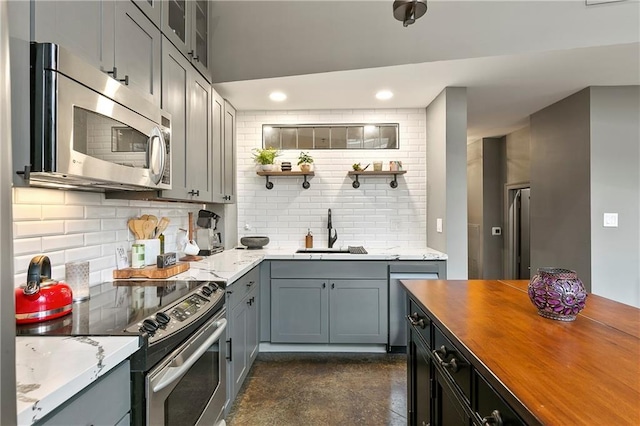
439,225
610,220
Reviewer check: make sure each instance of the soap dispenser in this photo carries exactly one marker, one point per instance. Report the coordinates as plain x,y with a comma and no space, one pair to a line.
308,239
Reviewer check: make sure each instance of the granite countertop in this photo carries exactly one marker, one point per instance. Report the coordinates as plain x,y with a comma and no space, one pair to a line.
79,361
232,264
50,370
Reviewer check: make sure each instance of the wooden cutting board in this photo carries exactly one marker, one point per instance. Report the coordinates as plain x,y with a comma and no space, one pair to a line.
151,271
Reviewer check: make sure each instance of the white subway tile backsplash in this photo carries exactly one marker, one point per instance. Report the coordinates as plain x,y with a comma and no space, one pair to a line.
27,212
32,229
100,212
27,245
60,242
79,198
72,225
76,226
362,216
37,196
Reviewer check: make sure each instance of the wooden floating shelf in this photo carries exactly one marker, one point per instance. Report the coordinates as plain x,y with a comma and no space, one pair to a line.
305,184
394,173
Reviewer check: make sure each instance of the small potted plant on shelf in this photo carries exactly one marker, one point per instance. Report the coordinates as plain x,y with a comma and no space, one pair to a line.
304,161
265,158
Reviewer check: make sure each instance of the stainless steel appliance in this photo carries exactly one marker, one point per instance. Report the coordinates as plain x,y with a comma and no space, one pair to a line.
89,131
209,241
398,297
178,376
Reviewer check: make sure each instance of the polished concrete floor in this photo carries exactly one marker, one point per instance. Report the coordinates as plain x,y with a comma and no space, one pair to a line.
292,389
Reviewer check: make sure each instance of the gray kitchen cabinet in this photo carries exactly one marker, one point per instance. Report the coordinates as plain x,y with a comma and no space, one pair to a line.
84,28
224,157
114,36
229,162
107,401
358,311
299,311
186,24
243,326
329,302
152,9
137,51
187,97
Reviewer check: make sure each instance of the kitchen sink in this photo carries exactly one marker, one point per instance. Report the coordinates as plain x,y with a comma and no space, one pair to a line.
349,250
322,250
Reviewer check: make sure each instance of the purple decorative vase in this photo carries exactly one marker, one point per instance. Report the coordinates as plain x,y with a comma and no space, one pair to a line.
557,293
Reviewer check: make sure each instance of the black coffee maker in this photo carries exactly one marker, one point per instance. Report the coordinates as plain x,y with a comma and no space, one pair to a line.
208,239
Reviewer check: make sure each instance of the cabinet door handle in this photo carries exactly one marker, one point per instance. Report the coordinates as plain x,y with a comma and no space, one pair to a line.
195,192
113,73
229,353
324,285
494,419
333,285
125,80
453,365
416,321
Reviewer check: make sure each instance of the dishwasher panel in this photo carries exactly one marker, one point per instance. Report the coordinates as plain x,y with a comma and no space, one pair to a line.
398,307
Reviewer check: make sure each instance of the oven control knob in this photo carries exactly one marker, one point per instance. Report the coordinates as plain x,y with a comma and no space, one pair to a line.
206,290
162,319
150,326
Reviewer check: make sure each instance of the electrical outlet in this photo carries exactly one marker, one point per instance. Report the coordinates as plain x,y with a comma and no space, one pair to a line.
439,225
247,227
496,230
610,220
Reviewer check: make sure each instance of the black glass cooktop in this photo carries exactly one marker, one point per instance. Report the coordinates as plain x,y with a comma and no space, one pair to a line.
112,306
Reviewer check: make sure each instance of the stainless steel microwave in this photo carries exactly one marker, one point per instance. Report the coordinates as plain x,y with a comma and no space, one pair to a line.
89,131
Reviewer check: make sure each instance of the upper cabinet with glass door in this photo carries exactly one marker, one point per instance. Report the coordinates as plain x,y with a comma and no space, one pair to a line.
186,24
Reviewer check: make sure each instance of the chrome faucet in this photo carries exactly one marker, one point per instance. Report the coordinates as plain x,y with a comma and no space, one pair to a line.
331,239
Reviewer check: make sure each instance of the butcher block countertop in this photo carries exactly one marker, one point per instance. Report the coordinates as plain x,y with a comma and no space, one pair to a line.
581,372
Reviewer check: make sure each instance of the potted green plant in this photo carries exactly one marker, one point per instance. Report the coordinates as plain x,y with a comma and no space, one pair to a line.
304,161
266,158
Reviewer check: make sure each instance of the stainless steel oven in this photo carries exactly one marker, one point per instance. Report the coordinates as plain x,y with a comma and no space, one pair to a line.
188,386
178,375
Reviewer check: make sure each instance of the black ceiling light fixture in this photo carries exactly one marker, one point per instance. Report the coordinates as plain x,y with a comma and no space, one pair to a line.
408,11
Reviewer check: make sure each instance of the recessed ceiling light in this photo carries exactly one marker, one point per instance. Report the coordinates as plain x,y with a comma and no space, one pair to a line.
277,96
383,95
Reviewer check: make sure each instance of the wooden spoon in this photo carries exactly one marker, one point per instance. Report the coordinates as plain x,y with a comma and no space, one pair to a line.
138,228
148,228
162,225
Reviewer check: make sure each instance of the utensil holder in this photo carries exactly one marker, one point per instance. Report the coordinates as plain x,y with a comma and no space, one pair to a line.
151,250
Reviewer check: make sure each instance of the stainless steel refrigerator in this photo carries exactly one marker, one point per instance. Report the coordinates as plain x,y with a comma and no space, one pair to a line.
7,318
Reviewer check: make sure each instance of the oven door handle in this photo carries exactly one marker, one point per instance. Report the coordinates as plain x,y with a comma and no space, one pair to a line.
174,373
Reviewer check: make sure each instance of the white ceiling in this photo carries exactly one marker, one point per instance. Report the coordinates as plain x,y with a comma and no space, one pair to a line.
509,74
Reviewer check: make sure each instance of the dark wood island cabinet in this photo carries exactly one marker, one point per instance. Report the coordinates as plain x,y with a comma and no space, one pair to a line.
478,353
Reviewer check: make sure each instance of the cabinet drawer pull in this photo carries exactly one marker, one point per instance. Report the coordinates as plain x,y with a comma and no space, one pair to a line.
493,419
453,365
194,192
250,283
416,321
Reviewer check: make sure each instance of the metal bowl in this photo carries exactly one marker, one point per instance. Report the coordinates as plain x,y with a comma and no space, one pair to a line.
255,242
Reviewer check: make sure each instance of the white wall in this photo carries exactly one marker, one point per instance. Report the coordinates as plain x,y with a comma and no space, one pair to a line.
374,215
71,225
